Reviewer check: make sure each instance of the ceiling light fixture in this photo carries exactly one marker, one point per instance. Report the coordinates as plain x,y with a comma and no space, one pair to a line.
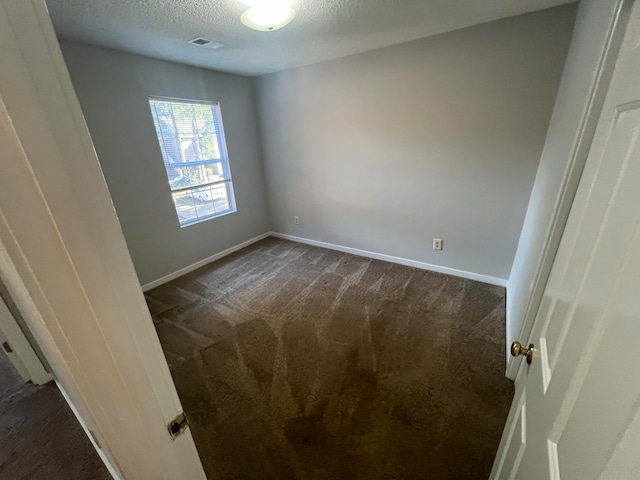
268,15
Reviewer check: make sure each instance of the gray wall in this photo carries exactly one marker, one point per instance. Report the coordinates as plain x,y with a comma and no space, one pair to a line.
580,97
439,137
113,88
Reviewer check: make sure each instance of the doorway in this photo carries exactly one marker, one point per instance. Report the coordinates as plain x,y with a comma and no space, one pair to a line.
40,438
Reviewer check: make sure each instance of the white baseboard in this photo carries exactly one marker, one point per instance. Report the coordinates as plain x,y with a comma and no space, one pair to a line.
354,251
202,263
402,261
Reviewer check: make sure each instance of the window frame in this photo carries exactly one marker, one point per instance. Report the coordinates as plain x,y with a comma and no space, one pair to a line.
223,161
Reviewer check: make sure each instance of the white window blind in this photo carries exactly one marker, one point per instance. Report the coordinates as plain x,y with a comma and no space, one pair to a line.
195,158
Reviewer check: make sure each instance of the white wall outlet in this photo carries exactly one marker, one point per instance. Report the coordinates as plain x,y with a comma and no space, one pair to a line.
296,219
437,244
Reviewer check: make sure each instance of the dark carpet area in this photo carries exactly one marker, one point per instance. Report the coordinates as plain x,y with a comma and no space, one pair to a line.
297,362
40,438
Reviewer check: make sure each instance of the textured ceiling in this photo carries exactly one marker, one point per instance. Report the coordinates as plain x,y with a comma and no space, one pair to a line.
321,30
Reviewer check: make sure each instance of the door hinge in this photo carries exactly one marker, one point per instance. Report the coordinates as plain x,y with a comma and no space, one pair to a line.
178,425
7,347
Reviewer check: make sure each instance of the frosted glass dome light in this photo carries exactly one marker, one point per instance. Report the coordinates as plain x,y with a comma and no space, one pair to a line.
268,16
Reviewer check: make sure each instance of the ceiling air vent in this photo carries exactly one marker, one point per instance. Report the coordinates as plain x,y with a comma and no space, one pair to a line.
205,42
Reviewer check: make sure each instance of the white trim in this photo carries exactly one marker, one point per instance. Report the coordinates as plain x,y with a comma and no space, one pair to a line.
202,263
616,14
23,357
73,280
500,282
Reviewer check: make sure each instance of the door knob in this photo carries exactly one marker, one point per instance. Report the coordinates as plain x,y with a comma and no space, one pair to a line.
517,349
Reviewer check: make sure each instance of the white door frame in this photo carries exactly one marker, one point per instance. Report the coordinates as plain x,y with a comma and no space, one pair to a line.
22,356
598,32
65,263
575,410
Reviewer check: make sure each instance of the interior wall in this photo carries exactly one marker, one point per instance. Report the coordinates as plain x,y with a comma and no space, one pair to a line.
584,84
436,138
113,88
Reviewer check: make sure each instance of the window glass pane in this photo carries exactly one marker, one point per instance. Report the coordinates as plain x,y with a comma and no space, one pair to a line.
183,177
201,202
185,207
187,132
194,154
209,146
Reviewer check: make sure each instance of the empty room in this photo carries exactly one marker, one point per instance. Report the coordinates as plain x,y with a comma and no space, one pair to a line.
323,239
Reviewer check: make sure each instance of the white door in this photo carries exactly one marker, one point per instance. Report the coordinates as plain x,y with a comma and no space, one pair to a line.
576,412
65,263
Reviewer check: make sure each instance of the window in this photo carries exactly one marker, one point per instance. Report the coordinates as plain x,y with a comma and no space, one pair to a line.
195,158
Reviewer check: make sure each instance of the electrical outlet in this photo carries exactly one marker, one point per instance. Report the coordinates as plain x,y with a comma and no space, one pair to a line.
437,244
296,220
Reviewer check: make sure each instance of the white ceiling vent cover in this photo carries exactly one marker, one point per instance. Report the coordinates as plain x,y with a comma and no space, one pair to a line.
205,42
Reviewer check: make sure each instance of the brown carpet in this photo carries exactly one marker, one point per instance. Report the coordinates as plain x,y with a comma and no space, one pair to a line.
40,438
297,362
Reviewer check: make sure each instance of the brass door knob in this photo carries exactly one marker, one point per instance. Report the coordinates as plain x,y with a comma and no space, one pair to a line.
517,349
